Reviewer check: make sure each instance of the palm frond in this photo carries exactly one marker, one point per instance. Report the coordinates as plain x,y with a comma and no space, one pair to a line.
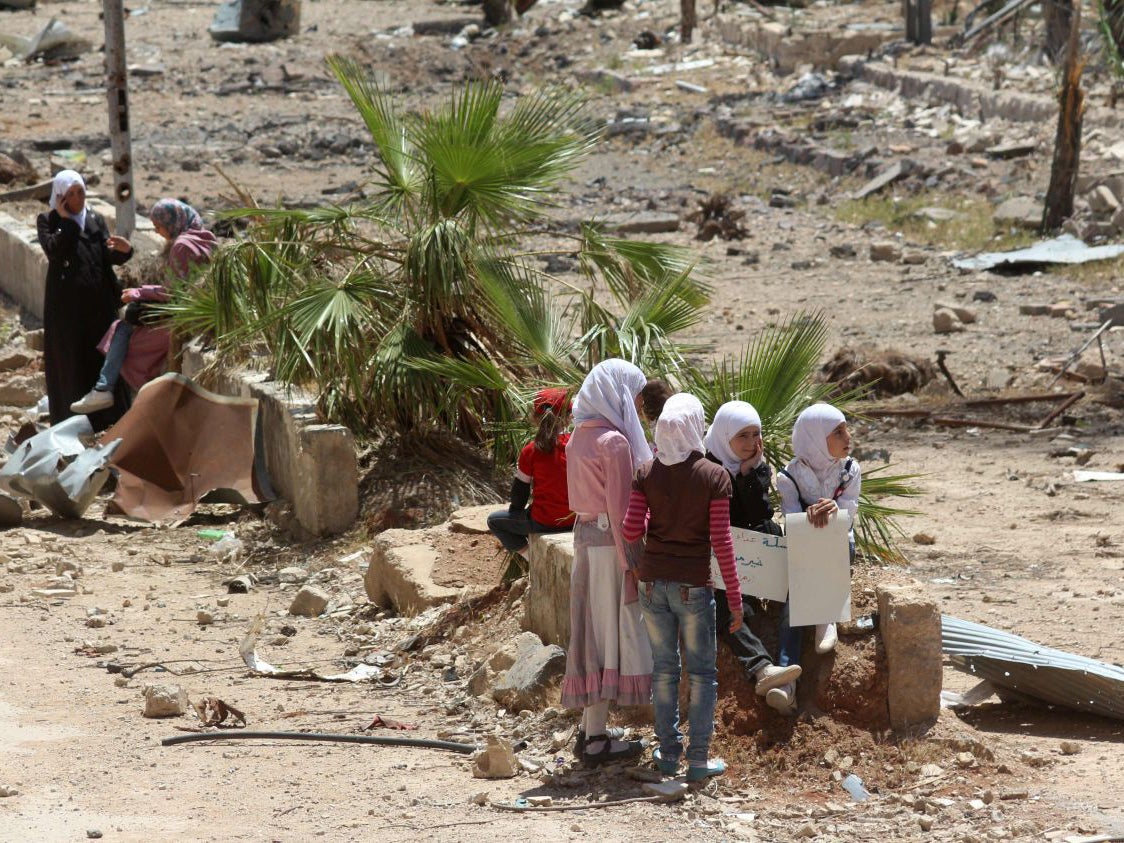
877,530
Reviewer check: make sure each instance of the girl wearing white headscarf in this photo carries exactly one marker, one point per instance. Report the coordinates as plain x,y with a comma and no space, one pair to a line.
81,299
734,441
608,658
821,479
682,500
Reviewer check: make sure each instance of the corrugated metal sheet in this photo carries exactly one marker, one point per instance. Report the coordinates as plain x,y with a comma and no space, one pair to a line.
1052,676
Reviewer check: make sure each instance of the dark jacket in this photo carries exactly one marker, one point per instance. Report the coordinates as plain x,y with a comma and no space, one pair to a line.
80,303
750,507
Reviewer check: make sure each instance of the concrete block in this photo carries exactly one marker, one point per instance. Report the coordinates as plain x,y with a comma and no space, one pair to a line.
256,20
473,519
310,602
1021,211
945,321
400,573
164,701
911,632
546,604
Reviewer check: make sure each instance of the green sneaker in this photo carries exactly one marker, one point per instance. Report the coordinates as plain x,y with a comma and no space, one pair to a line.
713,768
665,765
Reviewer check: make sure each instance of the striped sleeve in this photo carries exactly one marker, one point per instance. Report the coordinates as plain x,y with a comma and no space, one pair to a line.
723,544
636,517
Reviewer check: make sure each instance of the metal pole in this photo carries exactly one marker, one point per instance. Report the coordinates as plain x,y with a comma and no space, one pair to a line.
117,97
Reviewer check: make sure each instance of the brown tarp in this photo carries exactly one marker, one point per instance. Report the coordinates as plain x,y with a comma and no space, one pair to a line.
178,443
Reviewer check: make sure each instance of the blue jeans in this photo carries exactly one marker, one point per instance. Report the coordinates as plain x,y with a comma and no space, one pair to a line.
115,357
672,610
512,529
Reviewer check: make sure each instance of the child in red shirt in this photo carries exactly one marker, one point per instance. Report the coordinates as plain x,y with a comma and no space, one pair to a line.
541,470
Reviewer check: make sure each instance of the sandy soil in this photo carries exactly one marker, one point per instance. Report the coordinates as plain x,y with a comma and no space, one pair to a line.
1018,544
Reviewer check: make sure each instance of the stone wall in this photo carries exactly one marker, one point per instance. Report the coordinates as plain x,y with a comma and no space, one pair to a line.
546,603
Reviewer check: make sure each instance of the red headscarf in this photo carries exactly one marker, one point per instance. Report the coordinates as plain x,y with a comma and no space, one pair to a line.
555,399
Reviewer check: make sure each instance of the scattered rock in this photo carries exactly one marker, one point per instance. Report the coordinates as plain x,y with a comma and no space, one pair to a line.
889,176
913,258
523,685
885,251
495,761
643,222
22,390
164,701
1069,747
292,575
204,618
93,834
14,358
984,296
965,760
964,314
605,80
1021,211
480,798
309,602
34,339
924,538
6,791
1034,309
925,822
945,322
117,566
1103,201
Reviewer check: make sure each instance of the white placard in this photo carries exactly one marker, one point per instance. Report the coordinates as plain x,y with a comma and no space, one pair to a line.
819,570
762,562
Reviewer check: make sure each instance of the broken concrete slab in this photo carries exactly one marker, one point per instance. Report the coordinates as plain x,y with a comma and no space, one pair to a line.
22,390
164,700
473,519
1103,201
309,602
495,761
400,573
546,603
887,177
911,632
642,222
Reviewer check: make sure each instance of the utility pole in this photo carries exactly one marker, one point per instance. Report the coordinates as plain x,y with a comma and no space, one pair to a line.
117,96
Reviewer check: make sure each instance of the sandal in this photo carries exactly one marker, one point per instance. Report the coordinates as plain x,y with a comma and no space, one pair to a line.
615,733
608,755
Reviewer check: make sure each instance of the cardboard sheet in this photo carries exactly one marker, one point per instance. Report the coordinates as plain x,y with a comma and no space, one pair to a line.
819,570
178,443
762,562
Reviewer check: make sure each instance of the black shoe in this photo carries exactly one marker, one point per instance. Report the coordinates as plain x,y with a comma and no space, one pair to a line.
614,732
608,755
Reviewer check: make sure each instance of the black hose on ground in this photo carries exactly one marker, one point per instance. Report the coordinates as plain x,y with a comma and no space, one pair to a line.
379,740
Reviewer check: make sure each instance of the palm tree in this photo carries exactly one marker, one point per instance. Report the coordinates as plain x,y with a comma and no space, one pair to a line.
417,307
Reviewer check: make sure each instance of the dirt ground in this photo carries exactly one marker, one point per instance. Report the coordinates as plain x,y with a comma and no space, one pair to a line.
1004,535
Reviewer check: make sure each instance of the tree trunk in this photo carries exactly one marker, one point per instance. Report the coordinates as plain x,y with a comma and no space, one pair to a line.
687,20
1067,143
1059,20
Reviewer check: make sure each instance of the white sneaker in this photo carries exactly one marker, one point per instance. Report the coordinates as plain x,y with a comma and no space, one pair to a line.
783,699
773,676
826,639
91,402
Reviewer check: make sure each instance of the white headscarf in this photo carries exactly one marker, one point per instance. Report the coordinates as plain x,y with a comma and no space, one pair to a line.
730,418
64,180
809,437
679,429
609,392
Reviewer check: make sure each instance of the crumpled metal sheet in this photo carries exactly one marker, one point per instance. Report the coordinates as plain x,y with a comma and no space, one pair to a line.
359,673
1064,249
41,468
1028,669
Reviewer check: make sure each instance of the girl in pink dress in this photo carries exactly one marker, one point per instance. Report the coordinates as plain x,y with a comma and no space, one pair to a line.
609,658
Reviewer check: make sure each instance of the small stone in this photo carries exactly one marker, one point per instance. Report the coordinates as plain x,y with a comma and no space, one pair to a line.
913,258
309,602
223,602
204,617
984,296
495,761
1014,793
988,796
117,566
120,682
965,760
6,791
540,801
96,622
1103,201
292,575
1069,747
93,834
480,798
926,823
977,804
806,830
164,700
928,771
1034,309
945,322
964,314
885,252
924,538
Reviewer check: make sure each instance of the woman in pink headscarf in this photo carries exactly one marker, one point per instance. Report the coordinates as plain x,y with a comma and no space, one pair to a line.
134,348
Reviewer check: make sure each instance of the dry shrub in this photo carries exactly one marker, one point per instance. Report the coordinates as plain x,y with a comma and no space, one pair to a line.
893,372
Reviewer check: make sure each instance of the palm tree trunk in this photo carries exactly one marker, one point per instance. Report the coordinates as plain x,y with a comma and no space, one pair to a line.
1067,142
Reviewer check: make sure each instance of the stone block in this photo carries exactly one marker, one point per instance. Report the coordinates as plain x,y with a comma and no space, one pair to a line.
525,684
910,623
22,390
495,761
400,573
643,222
546,604
964,314
473,519
310,602
1103,201
885,251
164,700
1020,211
946,322
15,358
